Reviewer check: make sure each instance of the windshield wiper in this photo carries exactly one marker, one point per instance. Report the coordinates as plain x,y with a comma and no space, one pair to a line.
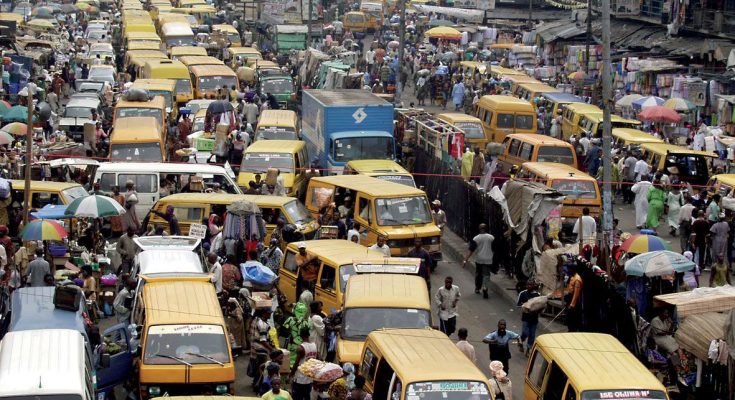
172,358
207,358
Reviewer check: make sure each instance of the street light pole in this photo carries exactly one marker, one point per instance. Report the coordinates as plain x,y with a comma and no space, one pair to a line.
308,24
29,158
530,15
607,209
588,39
401,47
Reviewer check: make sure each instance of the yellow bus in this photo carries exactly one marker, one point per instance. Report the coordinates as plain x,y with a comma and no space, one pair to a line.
531,91
288,156
277,125
387,170
170,69
632,139
571,115
193,61
474,135
160,87
397,212
693,165
208,79
137,139
181,51
147,37
519,148
587,366
177,34
502,115
591,123
155,107
184,338
47,192
228,30
721,183
406,364
248,55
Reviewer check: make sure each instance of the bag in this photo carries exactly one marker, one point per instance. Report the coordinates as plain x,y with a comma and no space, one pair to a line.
535,304
4,188
252,367
499,395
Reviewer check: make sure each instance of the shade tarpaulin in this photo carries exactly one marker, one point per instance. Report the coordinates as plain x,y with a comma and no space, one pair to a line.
469,15
547,274
697,331
700,300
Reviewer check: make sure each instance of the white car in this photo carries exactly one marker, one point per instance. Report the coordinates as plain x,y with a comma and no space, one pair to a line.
102,73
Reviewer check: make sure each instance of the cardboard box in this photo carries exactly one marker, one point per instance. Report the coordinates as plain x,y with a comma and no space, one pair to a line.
285,367
260,300
271,177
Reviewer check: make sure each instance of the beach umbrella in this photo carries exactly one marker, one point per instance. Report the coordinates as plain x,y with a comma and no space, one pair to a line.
659,114
68,8
16,114
83,6
627,100
15,128
657,263
679,104
393,44
51,211
648,101
444,32
6,138
40,24
578,76
4,106
639,244
94,206
43,230
43,12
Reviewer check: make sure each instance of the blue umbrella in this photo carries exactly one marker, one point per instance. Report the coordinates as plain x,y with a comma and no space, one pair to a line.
51,211
17,114
657,263
647,101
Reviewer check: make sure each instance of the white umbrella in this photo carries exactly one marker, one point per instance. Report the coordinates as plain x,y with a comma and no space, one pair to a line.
94,206
627,101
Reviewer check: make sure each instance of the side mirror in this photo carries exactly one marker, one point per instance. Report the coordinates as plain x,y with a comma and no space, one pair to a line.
105,360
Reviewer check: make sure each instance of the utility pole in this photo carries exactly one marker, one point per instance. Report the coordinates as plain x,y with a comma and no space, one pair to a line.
589,38
607,209
401,47
530,15
308,24
29,157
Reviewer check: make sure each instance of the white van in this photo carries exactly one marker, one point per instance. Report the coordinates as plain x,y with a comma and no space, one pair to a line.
148,178
168,256
28,371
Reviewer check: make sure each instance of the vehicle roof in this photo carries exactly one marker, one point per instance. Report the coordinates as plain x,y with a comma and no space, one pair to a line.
166,65
243,49
351,134
387,291
176,29
595,361
181,301
376,166
538,87
142,35
33,308
188,50
457,117
169,261
340,252
155,84
597,117
556,170
674,149
42,362
424,355
170,168
100,47
129,128
728,179
583,107
506,101
200,60
275,146
83,101
227,198
137,45
539,139
278,117
369,185
225,28
559,97
44,186
155,102
634,134
346,97
506,71
212,70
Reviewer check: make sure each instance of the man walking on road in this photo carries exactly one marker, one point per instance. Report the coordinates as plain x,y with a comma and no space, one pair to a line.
499,344
446,299
37,269
482,246
530,318
464,346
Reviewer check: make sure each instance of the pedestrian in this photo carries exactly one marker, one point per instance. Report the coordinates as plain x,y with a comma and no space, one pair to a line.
236,321
500,384
276,393
446,299
478,165
440,217
37,269
296,323
215,268
458,92
499,343
127,249
116,224
691,277
713,209
482,247
629,178
272,256
317,329
260,344
464,346
231,276
381,246
656,198
685,221
573,299
123,301
719,233
130,218
700,231
588,233
640,189
358,392
674,202
301,384
529,319
427,262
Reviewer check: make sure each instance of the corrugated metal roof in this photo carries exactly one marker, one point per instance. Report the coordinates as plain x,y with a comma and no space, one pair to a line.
563,29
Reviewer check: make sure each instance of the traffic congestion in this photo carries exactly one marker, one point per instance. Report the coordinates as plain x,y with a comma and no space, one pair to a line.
295,200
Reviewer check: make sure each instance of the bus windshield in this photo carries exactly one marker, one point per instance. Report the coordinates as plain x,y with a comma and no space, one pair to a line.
216,82
136,152
139,112
557,154
298,213
575,189
277,86
186,345
260,162
402,179
183,86
448,390
403,211
359,322
363,148
275,133
472,130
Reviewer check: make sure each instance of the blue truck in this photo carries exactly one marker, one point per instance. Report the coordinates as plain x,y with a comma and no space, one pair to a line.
346,124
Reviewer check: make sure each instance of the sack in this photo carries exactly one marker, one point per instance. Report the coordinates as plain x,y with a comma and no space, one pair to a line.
136,94
535,304
258,274
4,188
252,367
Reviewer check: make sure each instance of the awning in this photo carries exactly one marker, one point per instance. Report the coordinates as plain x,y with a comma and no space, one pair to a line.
729,99
564,29
469,15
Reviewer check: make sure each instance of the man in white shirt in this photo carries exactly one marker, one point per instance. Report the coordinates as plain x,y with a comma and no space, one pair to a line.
381,246
370,59
589,227
216,270
122,310
585,143
446,299
482,247
685,221
641,169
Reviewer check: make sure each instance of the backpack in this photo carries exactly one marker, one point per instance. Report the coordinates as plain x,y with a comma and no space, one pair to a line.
4,188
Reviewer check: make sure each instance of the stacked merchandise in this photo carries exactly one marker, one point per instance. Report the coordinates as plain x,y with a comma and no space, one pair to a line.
19,69
726,114
522,55
575,59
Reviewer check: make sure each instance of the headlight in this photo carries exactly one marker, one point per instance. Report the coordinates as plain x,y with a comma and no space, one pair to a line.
435,240
221,389
154,391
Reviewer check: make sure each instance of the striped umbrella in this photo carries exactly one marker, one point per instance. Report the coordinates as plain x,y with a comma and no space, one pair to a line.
43,230
6,138
627,100
648,101
679,104
94,207
657,263
639,244
15,128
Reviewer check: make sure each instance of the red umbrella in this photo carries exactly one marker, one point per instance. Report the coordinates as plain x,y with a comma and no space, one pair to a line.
659,114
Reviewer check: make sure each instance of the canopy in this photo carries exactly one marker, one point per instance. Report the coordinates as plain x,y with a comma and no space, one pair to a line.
51,211
679,104
659,114
43,230
700,300
648,101
639,244
444,32
657,263
627,100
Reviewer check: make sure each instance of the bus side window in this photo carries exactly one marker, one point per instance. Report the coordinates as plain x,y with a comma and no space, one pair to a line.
555,384
537,371
369,364
571,393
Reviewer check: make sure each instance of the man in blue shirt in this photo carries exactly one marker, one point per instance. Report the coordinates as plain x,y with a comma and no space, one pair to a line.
499,344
